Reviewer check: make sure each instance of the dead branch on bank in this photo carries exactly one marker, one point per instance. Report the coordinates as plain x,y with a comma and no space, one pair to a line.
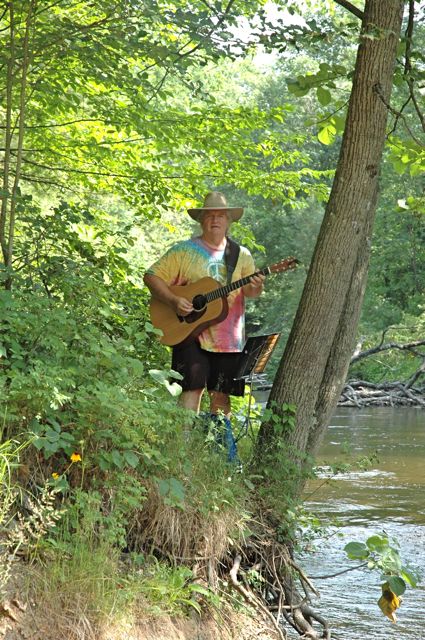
406,393
359,393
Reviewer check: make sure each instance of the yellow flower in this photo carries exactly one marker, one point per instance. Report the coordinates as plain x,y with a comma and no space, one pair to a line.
75,457
55,475
389,602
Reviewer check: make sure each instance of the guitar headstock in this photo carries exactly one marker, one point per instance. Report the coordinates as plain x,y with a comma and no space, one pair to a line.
284,265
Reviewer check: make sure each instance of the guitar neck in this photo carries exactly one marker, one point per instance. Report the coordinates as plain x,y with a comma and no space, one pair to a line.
223,291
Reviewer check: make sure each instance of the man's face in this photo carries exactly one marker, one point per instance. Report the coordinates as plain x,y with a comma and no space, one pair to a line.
214,221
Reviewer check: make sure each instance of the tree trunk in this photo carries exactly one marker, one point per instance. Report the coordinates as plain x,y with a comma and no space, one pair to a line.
314,365
10,193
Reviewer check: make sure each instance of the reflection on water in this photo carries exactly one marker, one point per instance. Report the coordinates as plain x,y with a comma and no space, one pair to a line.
388,496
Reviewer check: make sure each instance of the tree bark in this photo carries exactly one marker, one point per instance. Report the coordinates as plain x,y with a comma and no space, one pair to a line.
5,196
15,108
20,139
315,362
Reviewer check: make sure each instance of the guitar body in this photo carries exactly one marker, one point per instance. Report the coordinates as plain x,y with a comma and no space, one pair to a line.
179,329
209,300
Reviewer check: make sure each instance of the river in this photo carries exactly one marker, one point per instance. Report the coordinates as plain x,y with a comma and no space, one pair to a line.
387,497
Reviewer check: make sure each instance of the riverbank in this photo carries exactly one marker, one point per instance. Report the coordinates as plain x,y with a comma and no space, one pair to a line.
23,620
25,614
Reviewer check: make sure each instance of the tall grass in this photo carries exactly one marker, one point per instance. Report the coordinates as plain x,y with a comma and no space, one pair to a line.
9,460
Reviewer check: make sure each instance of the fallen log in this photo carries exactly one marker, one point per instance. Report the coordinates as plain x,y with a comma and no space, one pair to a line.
358,393
405,393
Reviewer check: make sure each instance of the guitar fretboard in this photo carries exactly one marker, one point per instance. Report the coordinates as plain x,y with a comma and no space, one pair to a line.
223,291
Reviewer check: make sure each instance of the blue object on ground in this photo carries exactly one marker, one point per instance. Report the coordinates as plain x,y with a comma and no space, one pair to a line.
223,434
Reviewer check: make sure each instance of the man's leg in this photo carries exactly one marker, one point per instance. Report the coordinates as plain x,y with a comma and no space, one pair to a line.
221,381
192,363
221,384
220,403
191,399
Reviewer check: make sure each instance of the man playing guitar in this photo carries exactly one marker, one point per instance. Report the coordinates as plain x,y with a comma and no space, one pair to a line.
210,359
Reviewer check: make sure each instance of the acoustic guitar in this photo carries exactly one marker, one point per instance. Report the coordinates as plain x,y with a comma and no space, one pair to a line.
209,302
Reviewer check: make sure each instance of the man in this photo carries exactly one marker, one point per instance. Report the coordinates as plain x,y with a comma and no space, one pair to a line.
210,360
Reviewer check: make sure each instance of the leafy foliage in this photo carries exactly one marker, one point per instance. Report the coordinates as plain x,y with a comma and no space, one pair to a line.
382,555
117,117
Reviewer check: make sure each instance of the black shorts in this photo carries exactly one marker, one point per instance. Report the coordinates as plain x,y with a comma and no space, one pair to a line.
201,369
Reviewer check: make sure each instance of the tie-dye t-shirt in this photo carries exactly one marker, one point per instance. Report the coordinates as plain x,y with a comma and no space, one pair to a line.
190,260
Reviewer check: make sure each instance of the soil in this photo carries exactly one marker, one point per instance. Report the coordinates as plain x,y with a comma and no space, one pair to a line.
18,624
23,619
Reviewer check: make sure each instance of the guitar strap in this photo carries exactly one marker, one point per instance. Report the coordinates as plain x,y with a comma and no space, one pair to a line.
231,255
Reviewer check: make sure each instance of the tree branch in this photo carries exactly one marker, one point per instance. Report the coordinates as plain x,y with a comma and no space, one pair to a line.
85,172
389,345
66,124
408,36
418,373
338,573
4,13
207,36
378,90
351,8
250,598
39,180
408,62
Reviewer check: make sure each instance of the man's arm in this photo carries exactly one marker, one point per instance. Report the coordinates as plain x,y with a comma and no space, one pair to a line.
162,292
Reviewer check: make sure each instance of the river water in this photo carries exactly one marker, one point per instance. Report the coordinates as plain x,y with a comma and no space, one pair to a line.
389,497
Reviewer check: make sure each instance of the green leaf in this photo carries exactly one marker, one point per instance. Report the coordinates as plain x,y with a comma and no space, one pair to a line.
173,490
323,95
174,388
409,577
377,543
297,89
131,458
159,375
117,458
327,134
416,169
163,377
356,551
397,585
39,443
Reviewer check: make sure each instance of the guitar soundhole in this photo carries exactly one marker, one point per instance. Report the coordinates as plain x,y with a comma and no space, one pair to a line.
199,302
199,307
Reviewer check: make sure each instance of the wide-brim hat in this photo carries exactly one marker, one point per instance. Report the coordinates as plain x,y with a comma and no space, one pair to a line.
217,201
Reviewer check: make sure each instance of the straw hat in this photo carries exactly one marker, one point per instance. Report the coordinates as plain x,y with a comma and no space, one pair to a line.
216,200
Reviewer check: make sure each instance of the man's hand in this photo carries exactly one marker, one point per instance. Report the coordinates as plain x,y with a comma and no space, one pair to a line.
160,290
257,281
182,306
255,286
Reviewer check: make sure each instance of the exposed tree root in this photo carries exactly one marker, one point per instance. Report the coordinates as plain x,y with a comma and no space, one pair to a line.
264,573
251,598
259,570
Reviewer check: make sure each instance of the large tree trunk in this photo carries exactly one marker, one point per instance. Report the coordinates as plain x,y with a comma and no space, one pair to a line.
314,365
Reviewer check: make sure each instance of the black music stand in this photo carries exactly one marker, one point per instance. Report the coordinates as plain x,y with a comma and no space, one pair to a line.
254,357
